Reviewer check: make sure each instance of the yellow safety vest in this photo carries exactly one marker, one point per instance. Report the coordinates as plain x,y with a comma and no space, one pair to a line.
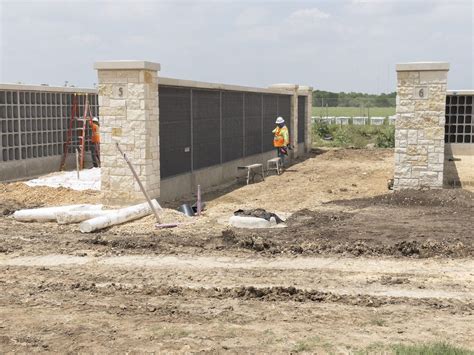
95,133
281,137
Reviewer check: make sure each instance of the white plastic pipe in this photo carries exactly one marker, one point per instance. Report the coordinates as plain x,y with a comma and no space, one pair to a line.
45,214
251,222
119,216
67,217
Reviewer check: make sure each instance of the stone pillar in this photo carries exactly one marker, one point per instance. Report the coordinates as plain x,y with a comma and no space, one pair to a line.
308,92
292,89
419,127
309,123
128,103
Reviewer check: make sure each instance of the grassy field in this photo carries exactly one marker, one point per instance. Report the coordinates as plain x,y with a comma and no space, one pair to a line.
353,111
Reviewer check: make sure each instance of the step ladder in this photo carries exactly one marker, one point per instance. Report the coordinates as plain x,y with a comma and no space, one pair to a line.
79,130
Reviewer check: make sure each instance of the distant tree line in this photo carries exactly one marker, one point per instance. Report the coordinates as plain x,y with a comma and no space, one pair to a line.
352,99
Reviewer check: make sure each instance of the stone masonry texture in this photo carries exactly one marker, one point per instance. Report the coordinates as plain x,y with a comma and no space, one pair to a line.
294,123
419,128
308,92
128,100
309,121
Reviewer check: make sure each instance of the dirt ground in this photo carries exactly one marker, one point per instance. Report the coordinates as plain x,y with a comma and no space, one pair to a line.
358,268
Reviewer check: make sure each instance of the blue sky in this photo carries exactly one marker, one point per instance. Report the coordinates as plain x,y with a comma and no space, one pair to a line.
348,45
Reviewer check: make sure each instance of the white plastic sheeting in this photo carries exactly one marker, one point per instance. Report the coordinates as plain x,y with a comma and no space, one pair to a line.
89,179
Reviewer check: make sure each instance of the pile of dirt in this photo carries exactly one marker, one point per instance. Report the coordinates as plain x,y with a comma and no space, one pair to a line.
264,294
307,218
20,195
416,198
383,230
332,243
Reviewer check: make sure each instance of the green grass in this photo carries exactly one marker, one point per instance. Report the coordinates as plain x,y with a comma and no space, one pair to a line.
310,345
430,349
353,111
353,136
439,348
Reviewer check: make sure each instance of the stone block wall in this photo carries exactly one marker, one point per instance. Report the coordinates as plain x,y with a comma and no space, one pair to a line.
128,100
419,128
129,115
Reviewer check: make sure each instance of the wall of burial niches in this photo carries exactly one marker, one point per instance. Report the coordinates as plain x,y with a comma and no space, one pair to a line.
34,123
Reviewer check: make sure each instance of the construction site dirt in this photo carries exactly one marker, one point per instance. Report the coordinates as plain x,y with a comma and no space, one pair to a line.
358,267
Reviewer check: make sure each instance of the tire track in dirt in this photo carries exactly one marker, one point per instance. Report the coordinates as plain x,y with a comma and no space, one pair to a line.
355,281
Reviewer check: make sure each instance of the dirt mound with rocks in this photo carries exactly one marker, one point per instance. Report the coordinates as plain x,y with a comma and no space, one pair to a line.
457,198
15,196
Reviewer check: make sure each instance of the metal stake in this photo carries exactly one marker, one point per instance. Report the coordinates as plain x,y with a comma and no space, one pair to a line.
199,206
77,163
139,183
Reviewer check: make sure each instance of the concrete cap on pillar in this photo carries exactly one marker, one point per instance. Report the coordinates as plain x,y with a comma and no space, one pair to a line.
284,86
304,89
127,64
423,66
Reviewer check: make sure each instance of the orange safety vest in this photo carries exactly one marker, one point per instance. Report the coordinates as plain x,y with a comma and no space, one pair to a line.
95,133
281,138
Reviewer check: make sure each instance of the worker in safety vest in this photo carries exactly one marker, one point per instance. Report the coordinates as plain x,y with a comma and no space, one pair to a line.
281,139
95,143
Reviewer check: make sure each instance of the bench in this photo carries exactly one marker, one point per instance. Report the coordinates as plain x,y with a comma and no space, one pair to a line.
274,164
252,171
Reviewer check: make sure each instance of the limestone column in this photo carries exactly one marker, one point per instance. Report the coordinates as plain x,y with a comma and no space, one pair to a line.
128,104
307,91
419,127
309,123
292,89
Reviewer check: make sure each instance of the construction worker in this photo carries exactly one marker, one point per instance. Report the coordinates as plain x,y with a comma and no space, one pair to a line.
281,139
95,143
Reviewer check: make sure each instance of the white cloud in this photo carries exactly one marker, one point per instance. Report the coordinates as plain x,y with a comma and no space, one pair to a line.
392,8
313,15
305,21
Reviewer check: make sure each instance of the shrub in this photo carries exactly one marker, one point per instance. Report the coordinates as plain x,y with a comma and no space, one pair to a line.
354,136
386,137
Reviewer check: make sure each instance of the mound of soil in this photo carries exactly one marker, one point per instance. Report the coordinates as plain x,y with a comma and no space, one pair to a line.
23,196
456,198
424,224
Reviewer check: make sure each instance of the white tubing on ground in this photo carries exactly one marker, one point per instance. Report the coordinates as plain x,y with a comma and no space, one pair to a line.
250,222
119,216
67,217
46,214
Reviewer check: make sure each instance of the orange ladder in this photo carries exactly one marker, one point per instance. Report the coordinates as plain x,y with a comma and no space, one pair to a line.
81,130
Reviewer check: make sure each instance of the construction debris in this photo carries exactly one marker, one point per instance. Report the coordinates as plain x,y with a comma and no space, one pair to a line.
259,213
68,217
251,222
119,216
89,180
47,214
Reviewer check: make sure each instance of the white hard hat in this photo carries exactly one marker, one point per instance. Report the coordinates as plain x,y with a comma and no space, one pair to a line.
280,120
95,119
